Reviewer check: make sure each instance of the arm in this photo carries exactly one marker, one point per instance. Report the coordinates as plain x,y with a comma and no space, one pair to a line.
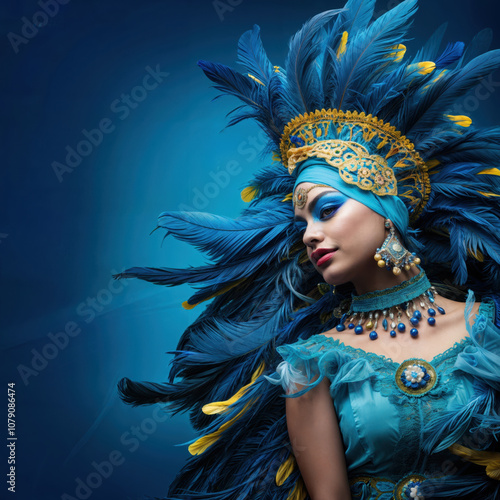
317,444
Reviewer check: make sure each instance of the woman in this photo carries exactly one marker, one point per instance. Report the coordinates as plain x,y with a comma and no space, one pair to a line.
370,163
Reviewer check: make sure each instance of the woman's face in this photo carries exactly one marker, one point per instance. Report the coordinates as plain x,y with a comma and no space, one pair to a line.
341,235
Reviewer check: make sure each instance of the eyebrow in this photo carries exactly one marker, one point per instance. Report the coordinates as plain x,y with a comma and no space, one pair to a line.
313,203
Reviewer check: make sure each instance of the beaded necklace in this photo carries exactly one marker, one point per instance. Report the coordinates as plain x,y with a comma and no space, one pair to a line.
414,298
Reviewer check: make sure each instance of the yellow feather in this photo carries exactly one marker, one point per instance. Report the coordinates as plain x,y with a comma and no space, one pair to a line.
423,68
399,52
288,197
248,194
222,406
255,79
200,445
477,254
187,305
490,171
285,469
426,67
488,194
488,459
342,45
432,163
461,120
298,492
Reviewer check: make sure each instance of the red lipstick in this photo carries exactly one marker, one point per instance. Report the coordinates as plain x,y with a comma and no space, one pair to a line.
322,255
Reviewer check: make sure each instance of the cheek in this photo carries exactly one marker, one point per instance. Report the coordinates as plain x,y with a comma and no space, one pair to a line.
364,231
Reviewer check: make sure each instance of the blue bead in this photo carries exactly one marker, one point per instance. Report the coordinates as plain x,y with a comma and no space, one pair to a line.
401,327
340,327
431,299
431,312
373,335
414,332
392,333
417,314
350,326
358,330
431,321
385,324
441,310
414,321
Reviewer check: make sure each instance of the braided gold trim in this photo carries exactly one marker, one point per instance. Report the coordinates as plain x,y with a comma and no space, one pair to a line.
343,117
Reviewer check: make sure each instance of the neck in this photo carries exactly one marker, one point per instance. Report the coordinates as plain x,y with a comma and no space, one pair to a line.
380,279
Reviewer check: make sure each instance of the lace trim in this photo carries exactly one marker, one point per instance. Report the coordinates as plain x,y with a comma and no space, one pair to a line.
438,359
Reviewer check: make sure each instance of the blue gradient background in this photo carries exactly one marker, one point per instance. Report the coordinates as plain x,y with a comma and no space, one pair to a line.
61,241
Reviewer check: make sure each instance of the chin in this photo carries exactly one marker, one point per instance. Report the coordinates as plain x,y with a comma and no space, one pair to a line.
335,279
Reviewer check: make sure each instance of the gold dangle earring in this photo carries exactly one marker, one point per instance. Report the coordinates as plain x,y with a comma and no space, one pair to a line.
393,255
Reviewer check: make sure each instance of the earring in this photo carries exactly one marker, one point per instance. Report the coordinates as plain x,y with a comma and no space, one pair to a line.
393,254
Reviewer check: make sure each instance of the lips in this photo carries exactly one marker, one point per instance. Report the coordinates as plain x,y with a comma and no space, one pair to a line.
322,255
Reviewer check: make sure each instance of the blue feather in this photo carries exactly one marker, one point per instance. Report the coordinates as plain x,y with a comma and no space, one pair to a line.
302,76
421,114
368,50
353,18
222,237
253,57
452,53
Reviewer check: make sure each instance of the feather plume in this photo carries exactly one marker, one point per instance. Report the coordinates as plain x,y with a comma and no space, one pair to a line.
422,114
261,294
253,57
222,237
366,49
452,53
302,83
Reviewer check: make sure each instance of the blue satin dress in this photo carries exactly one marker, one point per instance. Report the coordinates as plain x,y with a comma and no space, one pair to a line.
398,420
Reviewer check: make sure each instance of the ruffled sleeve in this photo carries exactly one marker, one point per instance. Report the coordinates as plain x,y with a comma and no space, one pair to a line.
307,362
482,358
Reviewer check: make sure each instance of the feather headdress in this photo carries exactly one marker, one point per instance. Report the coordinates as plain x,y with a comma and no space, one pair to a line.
263,290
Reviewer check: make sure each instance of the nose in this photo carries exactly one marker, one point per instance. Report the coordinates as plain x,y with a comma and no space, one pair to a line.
312,235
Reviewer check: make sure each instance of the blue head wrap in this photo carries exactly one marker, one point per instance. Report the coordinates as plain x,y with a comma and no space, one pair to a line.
389,206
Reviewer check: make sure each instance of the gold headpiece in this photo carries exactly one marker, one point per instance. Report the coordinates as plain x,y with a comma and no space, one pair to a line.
367,152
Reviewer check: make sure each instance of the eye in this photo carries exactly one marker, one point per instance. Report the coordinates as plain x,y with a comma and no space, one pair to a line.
328,212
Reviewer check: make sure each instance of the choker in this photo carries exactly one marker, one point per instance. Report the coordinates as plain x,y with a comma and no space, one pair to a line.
414,299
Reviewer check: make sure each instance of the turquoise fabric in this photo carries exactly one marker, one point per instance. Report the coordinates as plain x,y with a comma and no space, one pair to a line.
388,434
390,206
